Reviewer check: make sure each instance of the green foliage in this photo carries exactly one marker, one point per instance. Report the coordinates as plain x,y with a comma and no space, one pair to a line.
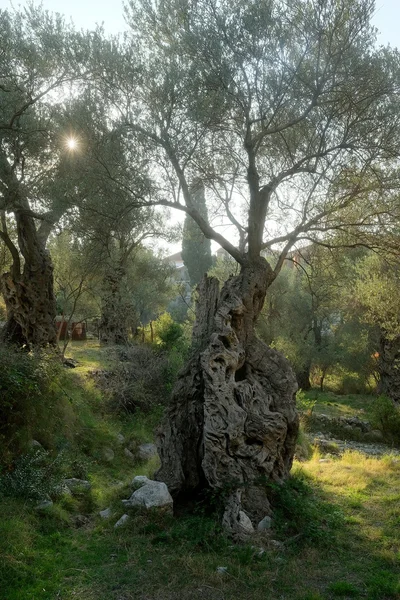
344,588
301,515
168,332
31,405
33,477
305,403
304,449
384,584
384,414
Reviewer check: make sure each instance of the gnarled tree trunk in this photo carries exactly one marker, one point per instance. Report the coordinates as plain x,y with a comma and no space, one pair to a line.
232,421
29,294
113,325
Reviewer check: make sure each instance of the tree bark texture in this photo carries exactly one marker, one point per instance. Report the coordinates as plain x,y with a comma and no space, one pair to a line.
232,423
113,325
389,367
29,295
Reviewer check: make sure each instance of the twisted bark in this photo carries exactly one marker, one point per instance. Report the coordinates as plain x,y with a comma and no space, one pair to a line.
29,295
232,422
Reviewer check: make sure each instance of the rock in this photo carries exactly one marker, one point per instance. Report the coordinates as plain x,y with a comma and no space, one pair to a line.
62,490
77,485
264,524
222,570
374,436
139,481
70,363
277,545
120,438
44,505
324,460
106,513
80,520
153,494
147,451
245,525
129,454
108,454
122,521
35,445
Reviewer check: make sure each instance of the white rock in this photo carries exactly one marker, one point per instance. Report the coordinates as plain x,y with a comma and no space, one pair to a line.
108,454
153,494
139,481
244,523
120,438
222,570
35,444
106,513
121,521
77,484
147,451
264,524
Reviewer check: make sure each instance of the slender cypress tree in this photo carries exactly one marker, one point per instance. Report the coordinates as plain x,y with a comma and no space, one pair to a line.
196,248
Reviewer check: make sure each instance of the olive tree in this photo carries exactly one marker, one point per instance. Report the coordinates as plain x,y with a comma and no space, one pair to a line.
39,61
290,109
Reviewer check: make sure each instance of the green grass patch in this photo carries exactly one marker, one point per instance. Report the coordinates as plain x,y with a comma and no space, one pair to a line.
335,405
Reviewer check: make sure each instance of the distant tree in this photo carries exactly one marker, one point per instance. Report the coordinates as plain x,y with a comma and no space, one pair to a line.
75,275
376,299
196,248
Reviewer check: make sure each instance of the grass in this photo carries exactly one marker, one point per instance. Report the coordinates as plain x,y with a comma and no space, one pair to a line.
335,405
343,550
90,355
338,524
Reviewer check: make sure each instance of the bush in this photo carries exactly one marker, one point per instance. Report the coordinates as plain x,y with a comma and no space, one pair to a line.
300,515
138,381
31,403
34,476
168,332
385,416
304,404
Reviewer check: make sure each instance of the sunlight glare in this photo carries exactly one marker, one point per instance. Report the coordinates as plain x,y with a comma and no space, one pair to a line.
71,143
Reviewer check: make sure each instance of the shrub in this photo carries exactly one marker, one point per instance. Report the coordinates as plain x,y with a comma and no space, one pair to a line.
138,380
34,476
300,515
168,332
385,416
304,404
32,405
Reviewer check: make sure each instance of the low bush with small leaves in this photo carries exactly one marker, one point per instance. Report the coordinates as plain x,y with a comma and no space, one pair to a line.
385,416
34,476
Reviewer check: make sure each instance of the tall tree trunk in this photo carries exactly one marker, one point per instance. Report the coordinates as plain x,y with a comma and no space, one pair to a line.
389,367
303,377
29,296
232,420
114,310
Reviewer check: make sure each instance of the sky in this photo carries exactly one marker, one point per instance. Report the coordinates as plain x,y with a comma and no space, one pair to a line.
86,13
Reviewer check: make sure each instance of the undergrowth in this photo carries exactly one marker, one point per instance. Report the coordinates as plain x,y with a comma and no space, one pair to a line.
335,525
